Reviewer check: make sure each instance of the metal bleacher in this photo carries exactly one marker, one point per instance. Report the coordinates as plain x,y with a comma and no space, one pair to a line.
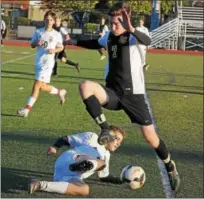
184,32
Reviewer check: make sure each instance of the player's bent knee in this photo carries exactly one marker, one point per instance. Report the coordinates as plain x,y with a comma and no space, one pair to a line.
63,60
78,190
83,86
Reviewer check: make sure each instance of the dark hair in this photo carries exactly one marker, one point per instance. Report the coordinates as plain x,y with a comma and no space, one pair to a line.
117,8
116,129
50,13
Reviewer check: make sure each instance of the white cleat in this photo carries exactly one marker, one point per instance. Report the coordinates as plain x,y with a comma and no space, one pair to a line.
102,57
22,112
62,94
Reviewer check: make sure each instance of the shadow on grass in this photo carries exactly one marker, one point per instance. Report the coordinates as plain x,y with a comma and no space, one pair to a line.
180,155
16,180
9,115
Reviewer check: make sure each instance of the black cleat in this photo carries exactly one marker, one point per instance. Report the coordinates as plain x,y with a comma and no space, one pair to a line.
174,178
77,67
146,67
82,166
105,137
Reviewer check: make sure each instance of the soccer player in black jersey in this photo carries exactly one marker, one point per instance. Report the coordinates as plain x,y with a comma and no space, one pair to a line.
62,55
125,84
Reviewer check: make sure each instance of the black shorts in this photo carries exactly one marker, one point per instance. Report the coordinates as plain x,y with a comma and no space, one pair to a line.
134,106
61,54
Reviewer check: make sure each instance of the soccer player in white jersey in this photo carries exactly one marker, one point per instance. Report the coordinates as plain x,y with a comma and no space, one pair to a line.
48,42
62,55
143,48
84,158
102,29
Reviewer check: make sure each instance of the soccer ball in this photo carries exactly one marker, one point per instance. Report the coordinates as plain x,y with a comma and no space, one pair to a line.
134,176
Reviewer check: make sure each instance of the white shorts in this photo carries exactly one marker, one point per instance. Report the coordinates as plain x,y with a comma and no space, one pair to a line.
43,75
61,168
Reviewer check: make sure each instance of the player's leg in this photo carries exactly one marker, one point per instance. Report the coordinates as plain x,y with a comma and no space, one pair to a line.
72,187
94,96
159,146
69,62
54,91
146,65
139,113
101,52
84,163
31,100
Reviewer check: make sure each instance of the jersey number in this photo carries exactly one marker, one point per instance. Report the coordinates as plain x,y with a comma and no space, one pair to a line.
114,50
45,44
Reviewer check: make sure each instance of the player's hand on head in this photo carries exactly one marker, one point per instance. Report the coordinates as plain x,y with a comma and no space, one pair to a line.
125,21
51,150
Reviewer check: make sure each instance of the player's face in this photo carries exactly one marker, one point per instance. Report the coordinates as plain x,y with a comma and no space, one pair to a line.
141,22
58,22
49,21
112,146
116,27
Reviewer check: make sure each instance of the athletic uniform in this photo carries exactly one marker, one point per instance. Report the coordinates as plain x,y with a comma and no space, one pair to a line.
125,83
63,32
81,144
44,62
143,47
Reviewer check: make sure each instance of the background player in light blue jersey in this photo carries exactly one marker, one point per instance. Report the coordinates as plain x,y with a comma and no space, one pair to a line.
48,42
84,158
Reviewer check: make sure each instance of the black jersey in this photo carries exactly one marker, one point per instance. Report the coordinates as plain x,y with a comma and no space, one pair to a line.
124,69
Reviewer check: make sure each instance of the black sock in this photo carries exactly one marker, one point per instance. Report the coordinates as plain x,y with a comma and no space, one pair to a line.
164,155
71,62
94,109
101,52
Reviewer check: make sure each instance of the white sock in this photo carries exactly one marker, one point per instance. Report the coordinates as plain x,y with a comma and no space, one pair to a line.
55,187
30,103
55,91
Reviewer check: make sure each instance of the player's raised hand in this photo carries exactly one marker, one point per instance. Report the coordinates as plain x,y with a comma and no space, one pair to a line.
40,43
51,51
51,150
125,21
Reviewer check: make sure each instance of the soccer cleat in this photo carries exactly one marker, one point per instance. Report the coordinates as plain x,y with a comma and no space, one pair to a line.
105,137
146,67
102,57
174,178
62,94
82,166
23,112
33,186
77,67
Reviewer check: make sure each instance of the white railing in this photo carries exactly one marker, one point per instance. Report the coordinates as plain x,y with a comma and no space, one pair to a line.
168,31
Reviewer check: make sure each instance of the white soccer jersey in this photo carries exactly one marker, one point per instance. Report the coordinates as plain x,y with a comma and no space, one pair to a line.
64,33
104,31
52,40
91,139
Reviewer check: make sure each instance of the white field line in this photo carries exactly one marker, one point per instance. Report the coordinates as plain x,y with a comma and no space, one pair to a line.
13,60
164,176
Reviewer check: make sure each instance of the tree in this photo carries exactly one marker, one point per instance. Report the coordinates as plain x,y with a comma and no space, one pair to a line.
137,6
67,5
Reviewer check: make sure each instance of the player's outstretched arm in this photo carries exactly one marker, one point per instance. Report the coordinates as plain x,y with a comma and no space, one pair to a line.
58,144
89,44
141,37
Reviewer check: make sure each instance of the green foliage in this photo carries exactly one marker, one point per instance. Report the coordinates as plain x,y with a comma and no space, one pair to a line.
91,27
23,21
64,6
6,19
137,6
166,6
